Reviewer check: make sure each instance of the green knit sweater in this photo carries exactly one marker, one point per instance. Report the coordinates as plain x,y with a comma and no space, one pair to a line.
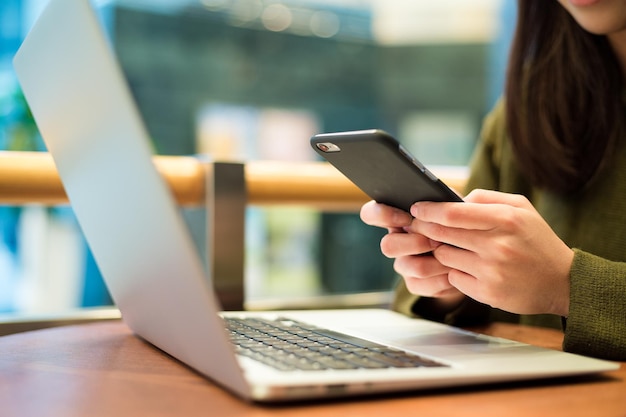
592,222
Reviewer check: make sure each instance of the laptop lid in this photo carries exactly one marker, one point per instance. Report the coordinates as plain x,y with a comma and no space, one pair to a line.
93,130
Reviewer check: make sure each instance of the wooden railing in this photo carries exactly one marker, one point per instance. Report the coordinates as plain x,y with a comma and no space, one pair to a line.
31,178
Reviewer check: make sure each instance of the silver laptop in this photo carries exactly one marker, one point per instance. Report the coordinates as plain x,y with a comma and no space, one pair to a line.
92,128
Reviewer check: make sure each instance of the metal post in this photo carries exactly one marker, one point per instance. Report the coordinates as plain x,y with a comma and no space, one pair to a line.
226,201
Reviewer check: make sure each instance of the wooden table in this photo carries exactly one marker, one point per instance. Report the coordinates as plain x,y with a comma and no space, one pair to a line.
101,369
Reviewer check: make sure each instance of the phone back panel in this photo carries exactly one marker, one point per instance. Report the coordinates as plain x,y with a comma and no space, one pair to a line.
377,163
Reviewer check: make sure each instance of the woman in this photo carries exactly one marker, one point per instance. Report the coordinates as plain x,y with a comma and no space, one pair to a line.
549,246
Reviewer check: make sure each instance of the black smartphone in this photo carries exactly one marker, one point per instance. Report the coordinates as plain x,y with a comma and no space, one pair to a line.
382,168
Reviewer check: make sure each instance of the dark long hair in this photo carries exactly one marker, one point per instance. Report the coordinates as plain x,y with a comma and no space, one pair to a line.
565,109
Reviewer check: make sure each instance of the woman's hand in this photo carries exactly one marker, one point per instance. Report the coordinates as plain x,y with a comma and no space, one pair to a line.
495,248
422,272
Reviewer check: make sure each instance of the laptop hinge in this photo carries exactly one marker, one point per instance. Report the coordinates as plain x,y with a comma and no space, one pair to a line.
226,200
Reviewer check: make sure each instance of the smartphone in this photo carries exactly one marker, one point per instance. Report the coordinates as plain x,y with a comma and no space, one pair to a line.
382,168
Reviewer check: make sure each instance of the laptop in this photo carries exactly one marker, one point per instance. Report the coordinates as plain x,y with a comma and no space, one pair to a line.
93,130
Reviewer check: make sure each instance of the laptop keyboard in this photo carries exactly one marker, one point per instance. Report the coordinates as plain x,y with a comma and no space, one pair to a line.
288,345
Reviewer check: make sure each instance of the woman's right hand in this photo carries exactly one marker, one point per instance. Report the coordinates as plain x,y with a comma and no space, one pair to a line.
422,273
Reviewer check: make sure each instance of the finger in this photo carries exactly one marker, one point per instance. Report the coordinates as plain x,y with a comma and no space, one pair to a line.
394,245
419,266
470,216
455,258
430,287
438,235
381,215
481,208
468,285
446,292
466,270
496,197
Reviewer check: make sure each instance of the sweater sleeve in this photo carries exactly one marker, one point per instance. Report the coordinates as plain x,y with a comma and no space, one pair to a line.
596,324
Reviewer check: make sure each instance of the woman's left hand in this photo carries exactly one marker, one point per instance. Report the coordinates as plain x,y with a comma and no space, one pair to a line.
500,250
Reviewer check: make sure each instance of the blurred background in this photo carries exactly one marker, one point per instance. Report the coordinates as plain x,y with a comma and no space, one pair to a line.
253,80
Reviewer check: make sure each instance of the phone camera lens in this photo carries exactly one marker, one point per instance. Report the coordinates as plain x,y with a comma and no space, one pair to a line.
327,147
